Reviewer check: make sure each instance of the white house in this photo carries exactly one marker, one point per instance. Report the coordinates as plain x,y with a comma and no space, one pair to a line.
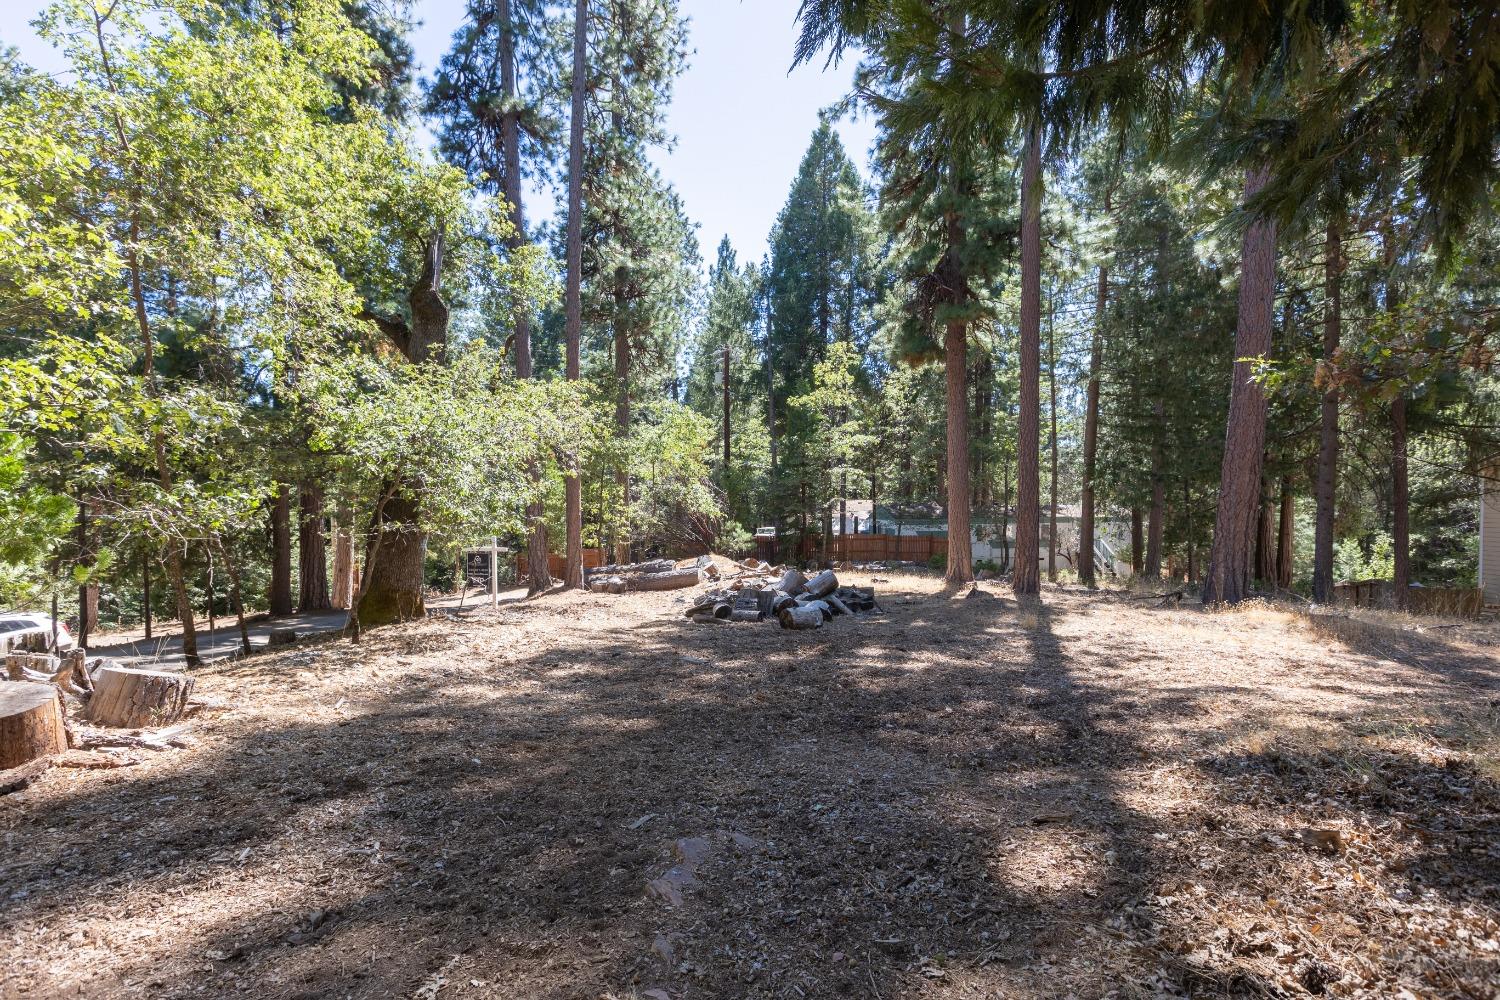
1489,536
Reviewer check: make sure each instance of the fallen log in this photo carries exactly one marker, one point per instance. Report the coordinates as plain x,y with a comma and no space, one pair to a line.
838,606
676,579
654,566
32,724
135,699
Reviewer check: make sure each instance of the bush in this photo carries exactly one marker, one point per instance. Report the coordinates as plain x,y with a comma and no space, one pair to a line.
986,566
938,562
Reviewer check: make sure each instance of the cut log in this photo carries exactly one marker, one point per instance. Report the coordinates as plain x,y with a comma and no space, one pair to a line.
32,725
821,607
282,637
800,618
780,601
838,606
747,607
823,584
791,582
677,579
133,699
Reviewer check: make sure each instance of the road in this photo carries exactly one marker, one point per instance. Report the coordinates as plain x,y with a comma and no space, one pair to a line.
164,652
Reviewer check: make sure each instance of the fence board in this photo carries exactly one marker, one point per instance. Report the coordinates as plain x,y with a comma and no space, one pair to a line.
558,565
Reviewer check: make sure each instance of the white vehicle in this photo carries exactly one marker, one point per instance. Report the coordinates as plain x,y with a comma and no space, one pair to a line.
28,633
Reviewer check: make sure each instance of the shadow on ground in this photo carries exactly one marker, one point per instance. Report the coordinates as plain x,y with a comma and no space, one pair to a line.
943,802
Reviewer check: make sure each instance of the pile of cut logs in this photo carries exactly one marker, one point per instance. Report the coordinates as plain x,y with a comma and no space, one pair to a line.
785,595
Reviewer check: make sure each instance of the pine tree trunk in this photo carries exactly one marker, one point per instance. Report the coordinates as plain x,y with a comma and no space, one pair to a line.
573,575
279,599
1052,440
1245,432
1154,524
1265,546
1328,422
960,547
88,593
1400,489
510,141
622,405
1086,570
1400,504
1284,539
343,567
312,551
1025,579
1137,543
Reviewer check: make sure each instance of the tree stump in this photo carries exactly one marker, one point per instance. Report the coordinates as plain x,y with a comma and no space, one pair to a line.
31,723
19,665
134,699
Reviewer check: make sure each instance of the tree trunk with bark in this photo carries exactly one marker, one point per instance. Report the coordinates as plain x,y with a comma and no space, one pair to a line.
1156,519
1245,432
88,593
1052,439
344,573
1086,569
510,140
1285,542
1137,543
622,405
1400,486
392,589
1400,504
1265,545
395,560
573,306
1326,487
1025,579
279,599
312,551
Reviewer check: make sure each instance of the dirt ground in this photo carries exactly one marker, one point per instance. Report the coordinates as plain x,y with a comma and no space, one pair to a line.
588,797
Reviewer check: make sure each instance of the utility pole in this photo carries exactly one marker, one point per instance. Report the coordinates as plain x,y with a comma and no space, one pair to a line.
726,417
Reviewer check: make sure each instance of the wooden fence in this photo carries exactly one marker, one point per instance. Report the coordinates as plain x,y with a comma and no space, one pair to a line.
1461,603
855,548
557,565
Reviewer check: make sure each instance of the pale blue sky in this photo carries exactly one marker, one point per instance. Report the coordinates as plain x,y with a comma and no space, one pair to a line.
741,120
